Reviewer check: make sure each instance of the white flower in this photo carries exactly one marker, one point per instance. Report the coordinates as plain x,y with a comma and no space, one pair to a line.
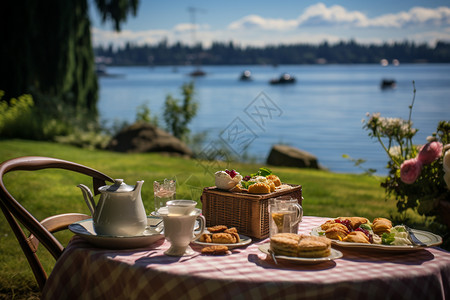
446,161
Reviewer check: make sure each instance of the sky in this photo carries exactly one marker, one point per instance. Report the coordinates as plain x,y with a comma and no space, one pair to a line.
261,23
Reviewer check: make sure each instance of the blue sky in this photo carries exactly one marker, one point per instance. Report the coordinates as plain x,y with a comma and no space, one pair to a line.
260,23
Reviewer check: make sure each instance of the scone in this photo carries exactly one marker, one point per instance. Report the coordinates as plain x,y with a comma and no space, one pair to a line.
300,245
259,188
314,246
285,244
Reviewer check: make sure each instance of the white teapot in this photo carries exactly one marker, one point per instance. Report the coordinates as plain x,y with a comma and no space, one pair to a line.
119,211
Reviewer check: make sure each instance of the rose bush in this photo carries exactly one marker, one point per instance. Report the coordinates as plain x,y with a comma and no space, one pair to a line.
419,176
410,170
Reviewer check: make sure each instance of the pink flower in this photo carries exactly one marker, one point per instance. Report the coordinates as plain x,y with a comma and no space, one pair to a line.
430,152
410,170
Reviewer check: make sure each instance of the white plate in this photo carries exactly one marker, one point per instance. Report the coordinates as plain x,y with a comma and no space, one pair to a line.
335,254
85,229
428,238
245,240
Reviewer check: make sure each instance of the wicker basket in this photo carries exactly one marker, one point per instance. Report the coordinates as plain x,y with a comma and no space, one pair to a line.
247,212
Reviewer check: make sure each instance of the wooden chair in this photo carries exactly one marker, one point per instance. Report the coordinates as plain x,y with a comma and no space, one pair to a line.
40,232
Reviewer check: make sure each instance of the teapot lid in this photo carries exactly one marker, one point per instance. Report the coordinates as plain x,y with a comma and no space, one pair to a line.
119,186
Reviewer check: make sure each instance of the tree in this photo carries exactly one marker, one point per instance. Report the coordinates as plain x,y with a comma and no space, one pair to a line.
176,116
46,49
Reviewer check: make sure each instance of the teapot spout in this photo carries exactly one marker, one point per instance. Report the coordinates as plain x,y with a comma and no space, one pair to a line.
88,197
138,186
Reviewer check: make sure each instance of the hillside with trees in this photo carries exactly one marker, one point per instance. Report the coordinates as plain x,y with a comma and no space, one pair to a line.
230,54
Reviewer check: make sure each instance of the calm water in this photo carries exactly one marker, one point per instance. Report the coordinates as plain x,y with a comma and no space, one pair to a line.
321,113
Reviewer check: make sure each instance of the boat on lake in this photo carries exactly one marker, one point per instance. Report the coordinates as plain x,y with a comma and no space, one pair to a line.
246,76
388,84
197,73
284,78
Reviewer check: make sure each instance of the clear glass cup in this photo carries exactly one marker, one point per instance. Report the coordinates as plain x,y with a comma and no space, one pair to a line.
163,191
285,215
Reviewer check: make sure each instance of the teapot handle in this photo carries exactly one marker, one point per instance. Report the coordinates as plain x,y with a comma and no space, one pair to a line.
88,197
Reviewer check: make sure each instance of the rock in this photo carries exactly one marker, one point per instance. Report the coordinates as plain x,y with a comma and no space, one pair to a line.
283,155
143,137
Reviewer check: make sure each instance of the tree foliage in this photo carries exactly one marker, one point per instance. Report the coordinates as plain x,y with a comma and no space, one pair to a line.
177,116
231,54
46,49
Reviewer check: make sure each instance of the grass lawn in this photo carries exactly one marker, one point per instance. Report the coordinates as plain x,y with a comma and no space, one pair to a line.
49,192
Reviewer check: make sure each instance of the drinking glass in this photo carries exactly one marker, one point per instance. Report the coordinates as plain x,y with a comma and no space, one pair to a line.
285,214
163,191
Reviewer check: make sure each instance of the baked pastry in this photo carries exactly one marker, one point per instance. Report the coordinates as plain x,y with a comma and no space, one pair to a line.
230,230
285,244
313,246
299,245
259,188
205,238
357,237
327,224
223,238
272,186
381,225
275,179
336,231
215,250
355,222
217,228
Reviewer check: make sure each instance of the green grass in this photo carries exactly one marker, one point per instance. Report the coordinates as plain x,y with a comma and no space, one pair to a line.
49,192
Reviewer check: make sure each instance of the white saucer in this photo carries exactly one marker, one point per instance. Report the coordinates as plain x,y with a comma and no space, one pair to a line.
85,229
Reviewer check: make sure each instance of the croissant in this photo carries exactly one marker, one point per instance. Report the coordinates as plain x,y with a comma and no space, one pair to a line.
381,225
357,237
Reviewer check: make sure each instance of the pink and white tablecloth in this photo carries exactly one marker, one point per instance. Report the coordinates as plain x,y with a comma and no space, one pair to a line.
86,272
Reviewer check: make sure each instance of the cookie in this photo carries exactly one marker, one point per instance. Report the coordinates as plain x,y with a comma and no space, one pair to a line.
217,228
223,238
215,250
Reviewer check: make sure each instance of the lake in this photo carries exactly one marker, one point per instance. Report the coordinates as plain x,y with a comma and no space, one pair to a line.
321,113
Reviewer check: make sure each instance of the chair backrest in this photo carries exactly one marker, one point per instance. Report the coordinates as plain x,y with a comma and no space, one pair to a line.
42,231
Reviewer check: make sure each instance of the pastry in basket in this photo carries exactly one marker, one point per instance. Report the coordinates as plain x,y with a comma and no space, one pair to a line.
259,188
357,237
336,231
275,179
381,225
299,245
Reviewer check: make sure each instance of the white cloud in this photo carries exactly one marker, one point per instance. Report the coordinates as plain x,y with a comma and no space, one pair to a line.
257,22
317,23
319,15
416,16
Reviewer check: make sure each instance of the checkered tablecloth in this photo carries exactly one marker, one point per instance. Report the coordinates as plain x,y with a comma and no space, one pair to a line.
86,272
